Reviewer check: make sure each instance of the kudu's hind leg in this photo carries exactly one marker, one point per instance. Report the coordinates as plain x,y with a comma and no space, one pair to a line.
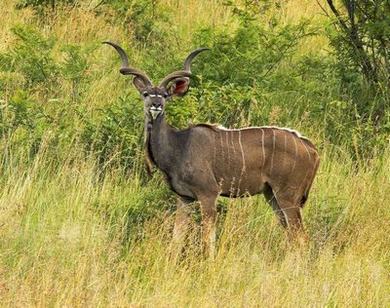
208,209
287,208
293,216
292,210
270,197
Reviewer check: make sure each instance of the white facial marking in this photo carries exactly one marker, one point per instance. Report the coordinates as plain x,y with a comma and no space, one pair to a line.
155,111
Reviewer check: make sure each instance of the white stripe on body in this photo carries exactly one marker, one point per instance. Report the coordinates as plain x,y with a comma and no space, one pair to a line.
307,150
296,154
222,147
234,146
285,150
243,169
262,147
308,171
273,152
228,149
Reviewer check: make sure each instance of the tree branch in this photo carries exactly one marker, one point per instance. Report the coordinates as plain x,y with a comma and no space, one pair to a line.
338,15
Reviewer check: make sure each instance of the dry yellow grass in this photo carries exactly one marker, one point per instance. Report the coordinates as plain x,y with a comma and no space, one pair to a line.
64,242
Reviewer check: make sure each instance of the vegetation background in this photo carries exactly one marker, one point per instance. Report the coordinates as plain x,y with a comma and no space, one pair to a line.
82,225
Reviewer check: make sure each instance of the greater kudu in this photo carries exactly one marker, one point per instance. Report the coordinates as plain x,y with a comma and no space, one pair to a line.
205,161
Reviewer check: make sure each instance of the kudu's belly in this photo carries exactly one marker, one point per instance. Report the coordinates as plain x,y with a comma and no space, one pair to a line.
242,185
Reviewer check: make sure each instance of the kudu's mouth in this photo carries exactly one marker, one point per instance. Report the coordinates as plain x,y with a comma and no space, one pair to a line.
155,111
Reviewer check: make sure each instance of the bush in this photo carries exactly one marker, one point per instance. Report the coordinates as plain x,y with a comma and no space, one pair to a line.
115,135
361,40
254,74
32,57
45,9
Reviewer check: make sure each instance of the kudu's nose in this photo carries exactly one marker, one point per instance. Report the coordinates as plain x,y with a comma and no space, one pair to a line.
156,104
156,109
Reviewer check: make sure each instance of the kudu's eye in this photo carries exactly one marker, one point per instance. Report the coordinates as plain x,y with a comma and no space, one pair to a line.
145,94
165,95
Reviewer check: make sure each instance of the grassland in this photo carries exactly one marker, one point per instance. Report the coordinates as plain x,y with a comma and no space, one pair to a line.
72,236
66,240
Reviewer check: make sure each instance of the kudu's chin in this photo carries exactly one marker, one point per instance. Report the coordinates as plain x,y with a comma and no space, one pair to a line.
155,112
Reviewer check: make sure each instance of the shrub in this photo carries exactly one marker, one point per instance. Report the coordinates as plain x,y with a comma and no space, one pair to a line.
115,134
44,9
32,57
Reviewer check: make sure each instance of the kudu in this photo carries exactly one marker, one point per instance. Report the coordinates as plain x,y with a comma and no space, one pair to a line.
206,161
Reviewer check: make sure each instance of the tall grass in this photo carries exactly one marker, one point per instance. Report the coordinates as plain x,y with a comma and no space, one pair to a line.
69,238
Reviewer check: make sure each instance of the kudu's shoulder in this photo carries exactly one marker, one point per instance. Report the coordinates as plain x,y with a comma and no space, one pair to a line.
203,129
206,126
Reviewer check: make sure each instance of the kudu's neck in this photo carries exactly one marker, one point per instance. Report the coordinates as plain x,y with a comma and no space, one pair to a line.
161,142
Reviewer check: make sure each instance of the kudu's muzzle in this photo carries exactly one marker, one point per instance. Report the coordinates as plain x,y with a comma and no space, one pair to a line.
157,106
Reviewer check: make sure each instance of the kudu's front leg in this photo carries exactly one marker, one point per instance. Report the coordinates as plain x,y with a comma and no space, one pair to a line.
208,209
182,221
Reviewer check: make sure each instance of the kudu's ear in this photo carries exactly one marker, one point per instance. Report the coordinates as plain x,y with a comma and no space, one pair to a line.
139,84
179,87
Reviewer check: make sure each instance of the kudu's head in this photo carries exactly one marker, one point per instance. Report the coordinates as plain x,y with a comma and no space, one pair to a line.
155,97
